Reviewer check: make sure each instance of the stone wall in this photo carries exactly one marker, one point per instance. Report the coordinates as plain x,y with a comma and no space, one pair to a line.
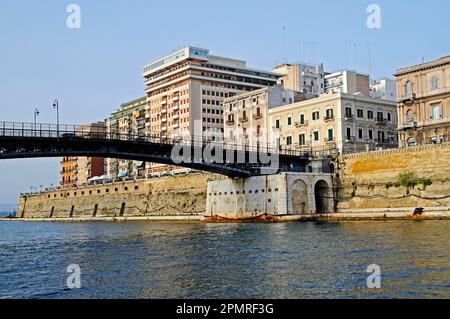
365,180
167,196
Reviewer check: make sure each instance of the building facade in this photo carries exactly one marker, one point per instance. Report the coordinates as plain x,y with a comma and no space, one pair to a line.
185,93
346,122
69,172
127,120
423,99
347,82
383,89
305,78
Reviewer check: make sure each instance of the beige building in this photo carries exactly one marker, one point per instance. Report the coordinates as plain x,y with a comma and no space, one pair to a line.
305,78
347,82
246,115
185,94
348,122
127,120
423,99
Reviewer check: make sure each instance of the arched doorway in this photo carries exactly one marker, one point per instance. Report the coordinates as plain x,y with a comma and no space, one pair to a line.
322,197
299,197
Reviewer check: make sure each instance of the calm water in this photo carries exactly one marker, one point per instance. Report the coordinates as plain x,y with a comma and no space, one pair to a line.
182,260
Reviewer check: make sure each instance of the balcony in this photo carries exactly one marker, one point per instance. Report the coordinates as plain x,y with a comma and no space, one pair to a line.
243,119
349,117
176,117
175,126
410,98
329,118
257,116
176,99
176,108
163,111
300,124
328,140
408,125
164,120
230,121
380,121
164,128
164,102
276,128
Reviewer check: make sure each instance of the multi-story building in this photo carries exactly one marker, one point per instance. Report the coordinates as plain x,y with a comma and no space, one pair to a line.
383,89
185,93
246,114
347,122
89,167
423,100
128,119
69,172
303,78
347,82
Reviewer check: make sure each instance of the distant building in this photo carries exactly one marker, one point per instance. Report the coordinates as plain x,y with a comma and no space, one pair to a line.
189,86
348,82
383,89
303,78
128,119
423,100
246,114
69,172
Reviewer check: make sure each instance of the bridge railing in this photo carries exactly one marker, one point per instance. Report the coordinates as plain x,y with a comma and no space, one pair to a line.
64,131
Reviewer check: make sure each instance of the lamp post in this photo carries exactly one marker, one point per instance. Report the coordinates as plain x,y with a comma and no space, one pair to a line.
36,114
56,106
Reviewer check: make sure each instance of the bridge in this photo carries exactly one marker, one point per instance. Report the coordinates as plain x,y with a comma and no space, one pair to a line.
28,140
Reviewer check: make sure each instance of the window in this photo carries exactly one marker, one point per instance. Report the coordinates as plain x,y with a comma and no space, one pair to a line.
389,118
315,116
359,113
408,88
360,133
316,136
289,120
436,112
302,139
380,116
370,115
349,133
348,112
370,134
277,123
330,135
329,113
302,119
289,140
434,82
380,136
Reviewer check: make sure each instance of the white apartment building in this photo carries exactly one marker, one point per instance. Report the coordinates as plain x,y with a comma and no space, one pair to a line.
305,78
347,82
383,89
188,87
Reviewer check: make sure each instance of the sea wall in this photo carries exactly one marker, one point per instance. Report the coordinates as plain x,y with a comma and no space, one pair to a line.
366,181
167,196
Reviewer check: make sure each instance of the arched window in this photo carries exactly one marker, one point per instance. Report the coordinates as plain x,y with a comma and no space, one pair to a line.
408,88
410,115
434,82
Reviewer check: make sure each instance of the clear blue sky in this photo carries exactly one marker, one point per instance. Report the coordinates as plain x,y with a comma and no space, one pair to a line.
93,69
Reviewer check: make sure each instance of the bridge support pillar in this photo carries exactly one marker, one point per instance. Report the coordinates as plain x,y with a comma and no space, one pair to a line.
285,194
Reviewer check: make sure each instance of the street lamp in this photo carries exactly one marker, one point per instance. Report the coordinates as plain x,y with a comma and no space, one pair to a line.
36,114
56,106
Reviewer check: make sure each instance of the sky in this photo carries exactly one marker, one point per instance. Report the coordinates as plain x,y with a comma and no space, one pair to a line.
93,69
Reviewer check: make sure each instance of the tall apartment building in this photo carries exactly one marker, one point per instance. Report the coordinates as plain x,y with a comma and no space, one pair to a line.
69,172
128,119
305,78
347,122
185,93
423,100
383,89
347,82
246,114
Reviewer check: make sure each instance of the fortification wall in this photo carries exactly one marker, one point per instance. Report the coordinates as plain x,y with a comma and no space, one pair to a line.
366,180
167,196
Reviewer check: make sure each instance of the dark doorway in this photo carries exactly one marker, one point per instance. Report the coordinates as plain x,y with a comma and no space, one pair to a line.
71,211
52,211
122,210
321,193
95,210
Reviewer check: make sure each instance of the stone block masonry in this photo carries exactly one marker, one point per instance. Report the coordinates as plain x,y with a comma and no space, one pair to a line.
168,196
366,180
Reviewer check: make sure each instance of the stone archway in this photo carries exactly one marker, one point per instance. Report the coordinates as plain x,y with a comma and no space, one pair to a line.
299,197
322,197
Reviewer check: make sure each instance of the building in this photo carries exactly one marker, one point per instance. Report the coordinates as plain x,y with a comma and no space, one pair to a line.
89,167
127,120
246,114
305,78
69,172
185,94
347,82
383,89
423,100
347,122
